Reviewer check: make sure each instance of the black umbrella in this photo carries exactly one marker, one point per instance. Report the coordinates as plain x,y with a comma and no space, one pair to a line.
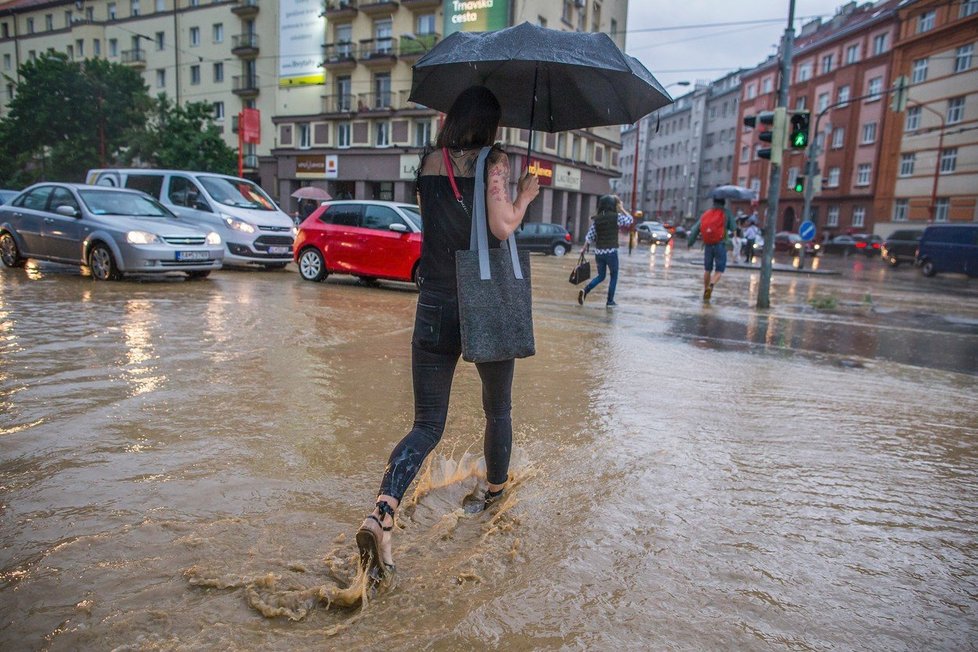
545,80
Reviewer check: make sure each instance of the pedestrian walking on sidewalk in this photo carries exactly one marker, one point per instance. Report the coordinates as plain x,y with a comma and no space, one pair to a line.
603,234
470,125
715,226
751,234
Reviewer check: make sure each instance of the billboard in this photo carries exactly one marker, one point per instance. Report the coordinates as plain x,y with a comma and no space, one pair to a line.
475,15
301,29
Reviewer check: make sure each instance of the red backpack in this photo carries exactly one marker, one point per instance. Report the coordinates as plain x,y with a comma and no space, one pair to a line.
713,226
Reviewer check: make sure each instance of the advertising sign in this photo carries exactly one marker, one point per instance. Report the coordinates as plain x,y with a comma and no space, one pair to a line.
565,177
475,15
310,166
544,171
409,166
300,37
249,123
332,166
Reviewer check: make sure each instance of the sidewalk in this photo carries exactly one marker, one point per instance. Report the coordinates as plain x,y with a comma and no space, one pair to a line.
775,267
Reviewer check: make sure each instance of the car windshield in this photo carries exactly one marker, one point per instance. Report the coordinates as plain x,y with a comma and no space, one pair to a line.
130,204
414,214
237,192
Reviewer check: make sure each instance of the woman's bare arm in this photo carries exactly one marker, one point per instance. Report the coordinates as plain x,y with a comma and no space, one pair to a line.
505,215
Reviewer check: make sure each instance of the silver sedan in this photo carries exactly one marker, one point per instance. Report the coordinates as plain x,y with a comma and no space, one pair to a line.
113,231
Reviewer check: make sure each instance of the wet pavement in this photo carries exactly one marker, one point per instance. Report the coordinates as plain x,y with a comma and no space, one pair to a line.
184,464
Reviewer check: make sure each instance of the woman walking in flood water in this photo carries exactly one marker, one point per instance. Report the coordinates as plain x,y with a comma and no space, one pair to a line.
470,125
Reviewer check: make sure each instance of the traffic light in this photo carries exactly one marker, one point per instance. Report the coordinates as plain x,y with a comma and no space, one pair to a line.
799,185
775,120
798,135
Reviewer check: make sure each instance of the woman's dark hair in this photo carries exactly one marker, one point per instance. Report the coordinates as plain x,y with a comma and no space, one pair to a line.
607,203
472,121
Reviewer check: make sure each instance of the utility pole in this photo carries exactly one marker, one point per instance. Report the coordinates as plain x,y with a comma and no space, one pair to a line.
774,186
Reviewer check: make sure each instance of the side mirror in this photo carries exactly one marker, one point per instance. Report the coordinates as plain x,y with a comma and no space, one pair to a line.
69,211
399,228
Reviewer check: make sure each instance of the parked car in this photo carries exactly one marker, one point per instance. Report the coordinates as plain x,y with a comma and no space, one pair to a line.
901,246
545,238
111,230
862,243
949,248
7,195
654,232
369,239
254,228
792,243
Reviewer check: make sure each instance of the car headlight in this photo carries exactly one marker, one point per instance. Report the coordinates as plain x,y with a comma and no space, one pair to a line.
817,247
295,231
141,238
213,238
797,245
238,225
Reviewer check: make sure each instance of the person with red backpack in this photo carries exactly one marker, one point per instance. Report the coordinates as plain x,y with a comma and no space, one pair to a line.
714,226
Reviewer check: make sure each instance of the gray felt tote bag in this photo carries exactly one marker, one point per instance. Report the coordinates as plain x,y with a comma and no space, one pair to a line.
494,300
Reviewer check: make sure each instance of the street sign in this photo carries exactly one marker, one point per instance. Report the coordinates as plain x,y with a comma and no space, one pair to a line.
807,231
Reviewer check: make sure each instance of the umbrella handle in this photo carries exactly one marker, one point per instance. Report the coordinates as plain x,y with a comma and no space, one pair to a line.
533,111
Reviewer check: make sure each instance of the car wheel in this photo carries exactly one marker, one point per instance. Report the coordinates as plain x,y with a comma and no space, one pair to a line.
193,276
415,277
927,268
102,265
8,251
312,265
559,249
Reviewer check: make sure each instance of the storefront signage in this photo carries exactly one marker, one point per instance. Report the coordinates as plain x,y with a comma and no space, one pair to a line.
310,166
409,166
565,177
544,171
300,35
475,15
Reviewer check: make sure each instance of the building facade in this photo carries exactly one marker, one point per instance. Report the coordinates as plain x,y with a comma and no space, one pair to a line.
330,78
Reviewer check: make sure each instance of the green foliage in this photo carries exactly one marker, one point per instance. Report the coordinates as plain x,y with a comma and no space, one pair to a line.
67,117
182,137
827,303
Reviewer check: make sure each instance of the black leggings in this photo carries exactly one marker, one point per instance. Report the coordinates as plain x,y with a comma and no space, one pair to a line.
433,371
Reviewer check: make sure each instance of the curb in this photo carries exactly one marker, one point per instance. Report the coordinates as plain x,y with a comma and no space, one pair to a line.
775,267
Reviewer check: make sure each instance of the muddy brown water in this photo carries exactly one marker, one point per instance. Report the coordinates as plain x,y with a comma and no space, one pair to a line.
184,464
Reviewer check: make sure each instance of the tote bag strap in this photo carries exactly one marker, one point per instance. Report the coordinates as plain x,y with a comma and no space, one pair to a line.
479,236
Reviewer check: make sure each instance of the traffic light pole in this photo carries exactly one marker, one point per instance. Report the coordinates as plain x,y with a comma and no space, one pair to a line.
774,187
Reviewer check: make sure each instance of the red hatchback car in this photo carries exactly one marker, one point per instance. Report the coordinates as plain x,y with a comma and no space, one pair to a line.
369,239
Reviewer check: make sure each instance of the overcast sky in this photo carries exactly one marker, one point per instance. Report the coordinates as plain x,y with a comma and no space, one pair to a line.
710,52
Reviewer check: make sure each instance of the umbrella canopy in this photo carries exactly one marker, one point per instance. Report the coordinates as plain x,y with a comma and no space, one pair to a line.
312,192
733,192
545,80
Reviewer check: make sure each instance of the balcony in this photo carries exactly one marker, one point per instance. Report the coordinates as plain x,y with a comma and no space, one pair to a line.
244,45
338,103
411,49
340,10
339,56
378,7
376,53
250,161
417,5
135,58
367,102
245,85
245,8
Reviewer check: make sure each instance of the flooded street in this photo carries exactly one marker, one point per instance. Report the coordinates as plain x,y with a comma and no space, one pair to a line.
184,464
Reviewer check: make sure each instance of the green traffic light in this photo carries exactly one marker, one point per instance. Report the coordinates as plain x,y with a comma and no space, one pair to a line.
799,140
799,186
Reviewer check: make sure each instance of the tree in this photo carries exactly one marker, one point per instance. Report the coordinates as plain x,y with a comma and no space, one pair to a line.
182,137
67,117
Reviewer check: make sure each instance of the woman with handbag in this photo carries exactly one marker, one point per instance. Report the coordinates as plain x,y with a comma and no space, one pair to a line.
446,191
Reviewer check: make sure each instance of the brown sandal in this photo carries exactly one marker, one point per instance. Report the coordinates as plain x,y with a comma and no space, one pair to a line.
369,545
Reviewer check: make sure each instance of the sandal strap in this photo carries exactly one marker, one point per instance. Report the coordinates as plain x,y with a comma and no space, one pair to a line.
385,510
377,520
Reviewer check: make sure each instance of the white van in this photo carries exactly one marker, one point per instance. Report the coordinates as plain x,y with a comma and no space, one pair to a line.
254,229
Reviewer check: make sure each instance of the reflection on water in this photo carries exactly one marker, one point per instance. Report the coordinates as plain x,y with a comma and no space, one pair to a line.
179,458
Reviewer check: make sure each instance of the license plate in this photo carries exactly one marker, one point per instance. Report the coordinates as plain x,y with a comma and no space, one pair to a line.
278,250
193,255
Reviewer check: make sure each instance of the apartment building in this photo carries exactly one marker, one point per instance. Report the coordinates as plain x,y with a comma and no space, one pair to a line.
930,161
330,78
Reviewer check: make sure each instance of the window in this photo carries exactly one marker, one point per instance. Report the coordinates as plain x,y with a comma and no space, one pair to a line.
343,94
96,47
134,8
859,216
827,63
925,21
913,119
194,36
382,89
80,47
596,17
383,30
343,131
942,209
160,78
907,162
219,71
110,10
195,75
218,110
426,24
833,179
863,172
962,57
869,133
305,135
218,32
343,34
832,219
879,43
422,134
744,154
751,91
541,21
159,40
955,110
919,70
900,207
30,25
49,22
875,89
968,8
852,53
823,102
839,138
160,5
755,184
113,47
949,160
843,95
6,62
382,133
800,103
766,85
70,50
568,11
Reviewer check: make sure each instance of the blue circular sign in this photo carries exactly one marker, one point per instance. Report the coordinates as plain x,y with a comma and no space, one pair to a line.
807,230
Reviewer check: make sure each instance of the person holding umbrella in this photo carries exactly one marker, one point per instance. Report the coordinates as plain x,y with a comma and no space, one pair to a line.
714,226
469,125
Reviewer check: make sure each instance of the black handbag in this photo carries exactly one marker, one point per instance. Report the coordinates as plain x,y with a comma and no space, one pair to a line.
494,298
582,271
